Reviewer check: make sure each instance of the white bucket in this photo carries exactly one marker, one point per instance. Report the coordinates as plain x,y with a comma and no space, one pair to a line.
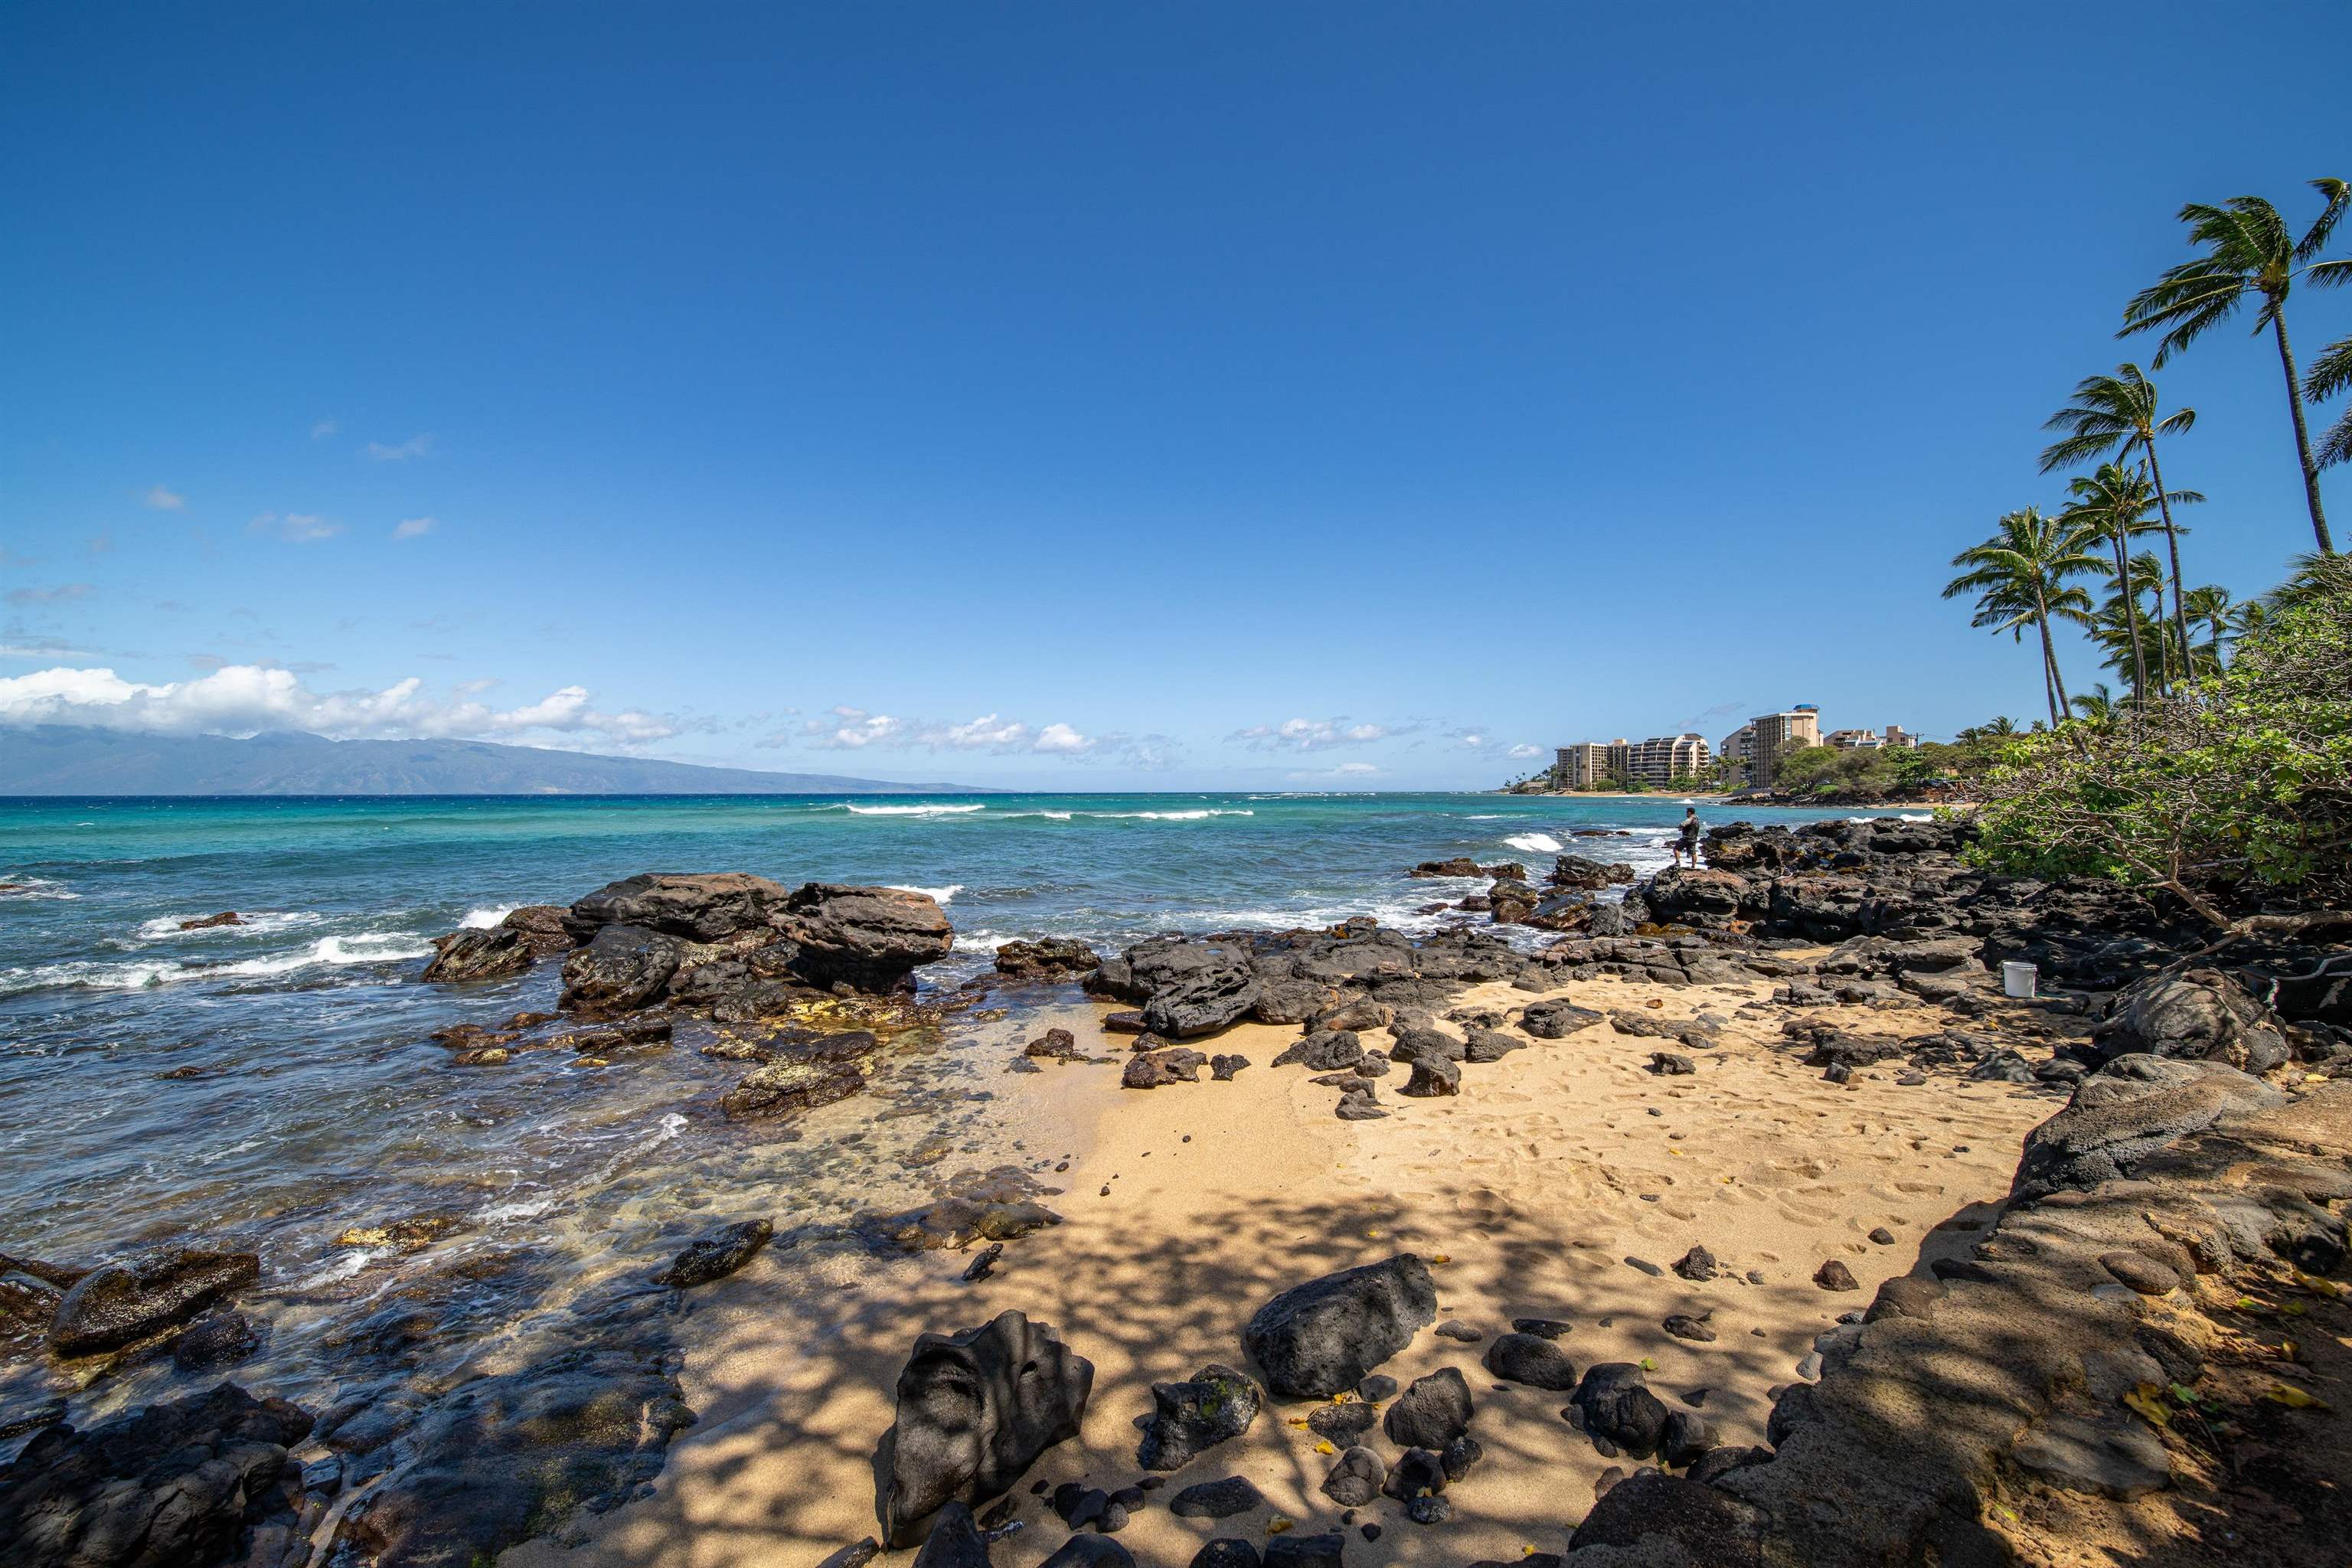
2017,979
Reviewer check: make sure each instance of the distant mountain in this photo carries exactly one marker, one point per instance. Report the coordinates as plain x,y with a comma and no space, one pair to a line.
66,760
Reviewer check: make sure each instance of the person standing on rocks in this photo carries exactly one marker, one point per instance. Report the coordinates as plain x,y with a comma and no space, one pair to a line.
1688,843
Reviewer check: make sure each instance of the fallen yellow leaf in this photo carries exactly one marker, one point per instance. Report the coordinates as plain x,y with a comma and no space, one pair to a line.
1298,1421
1277,1524
1325,1448
2294,1398
2148,1401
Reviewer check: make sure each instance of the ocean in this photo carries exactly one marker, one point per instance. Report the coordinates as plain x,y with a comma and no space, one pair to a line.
272,1085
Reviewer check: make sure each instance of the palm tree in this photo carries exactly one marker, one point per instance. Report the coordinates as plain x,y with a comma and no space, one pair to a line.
2113,504
2315,578
2248,251
2331,373
2148,577
2097,706
2022,573
2118,414
2210,607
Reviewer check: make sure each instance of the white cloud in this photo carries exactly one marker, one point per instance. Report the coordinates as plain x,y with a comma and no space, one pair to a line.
294,527
63,594
249,699
1346,773
414,527
847,728
1310,734
415,446
324,429
1524,751
162,500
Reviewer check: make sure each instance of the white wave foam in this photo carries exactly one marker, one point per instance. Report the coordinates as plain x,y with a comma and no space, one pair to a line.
341,1269
1056,815
1169,816
30,888
1899,816
522,1209
485,918
367,947
1535,844
978,941
915,810
936,895
264,922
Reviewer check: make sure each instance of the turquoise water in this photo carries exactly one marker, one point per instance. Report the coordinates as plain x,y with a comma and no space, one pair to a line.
272,1084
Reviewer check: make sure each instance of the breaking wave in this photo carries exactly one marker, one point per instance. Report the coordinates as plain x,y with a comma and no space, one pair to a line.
1535,844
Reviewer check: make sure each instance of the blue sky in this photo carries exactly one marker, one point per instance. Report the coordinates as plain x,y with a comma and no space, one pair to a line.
1078,396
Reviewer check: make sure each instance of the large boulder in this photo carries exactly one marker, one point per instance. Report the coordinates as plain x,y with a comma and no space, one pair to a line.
1709,1527
624,966
2135,1107
1709,898
694,907
1194,988
123,1303
186,1484
975,1409
871,938
2199,1016
1314,1339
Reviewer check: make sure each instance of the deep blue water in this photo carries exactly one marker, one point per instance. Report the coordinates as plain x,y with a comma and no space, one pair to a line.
271,1084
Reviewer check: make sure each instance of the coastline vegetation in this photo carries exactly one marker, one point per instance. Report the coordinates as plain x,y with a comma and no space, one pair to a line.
2221,771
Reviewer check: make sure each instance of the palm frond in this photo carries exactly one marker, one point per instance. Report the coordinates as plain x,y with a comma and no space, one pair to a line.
2339,195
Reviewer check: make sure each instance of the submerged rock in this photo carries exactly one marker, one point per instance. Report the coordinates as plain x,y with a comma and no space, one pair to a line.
718,1254
975,1409
123,1302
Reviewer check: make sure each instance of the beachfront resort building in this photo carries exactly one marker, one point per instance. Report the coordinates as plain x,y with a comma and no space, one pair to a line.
1894,736
1768,737
1659,761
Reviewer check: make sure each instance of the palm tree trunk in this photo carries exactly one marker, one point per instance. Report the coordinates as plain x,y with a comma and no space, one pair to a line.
2129,602
2171,543
2302,435
2163,635
2059,707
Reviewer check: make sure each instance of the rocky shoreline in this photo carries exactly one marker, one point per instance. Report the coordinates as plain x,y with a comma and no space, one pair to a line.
2095,1342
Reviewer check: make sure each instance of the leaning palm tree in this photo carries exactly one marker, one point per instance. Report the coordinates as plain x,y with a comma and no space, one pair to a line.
2331,373
2117,415
2315,578
2113,504
2248,251
2147,578
2022,570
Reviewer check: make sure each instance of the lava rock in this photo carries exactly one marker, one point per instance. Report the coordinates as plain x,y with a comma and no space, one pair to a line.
718,1254
1557,1019
1215,1500
622,966
1532,1360
1619,1408
1356,1478
1189,1418
172,1485
953,1541
1433,1412
1316,1339
216,1341
1225,1551
1834,1275
975,1409
123,1302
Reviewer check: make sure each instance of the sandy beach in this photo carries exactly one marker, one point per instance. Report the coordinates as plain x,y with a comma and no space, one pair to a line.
1186,1206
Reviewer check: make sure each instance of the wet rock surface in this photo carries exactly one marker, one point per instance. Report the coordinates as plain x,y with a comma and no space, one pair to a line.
185,1484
